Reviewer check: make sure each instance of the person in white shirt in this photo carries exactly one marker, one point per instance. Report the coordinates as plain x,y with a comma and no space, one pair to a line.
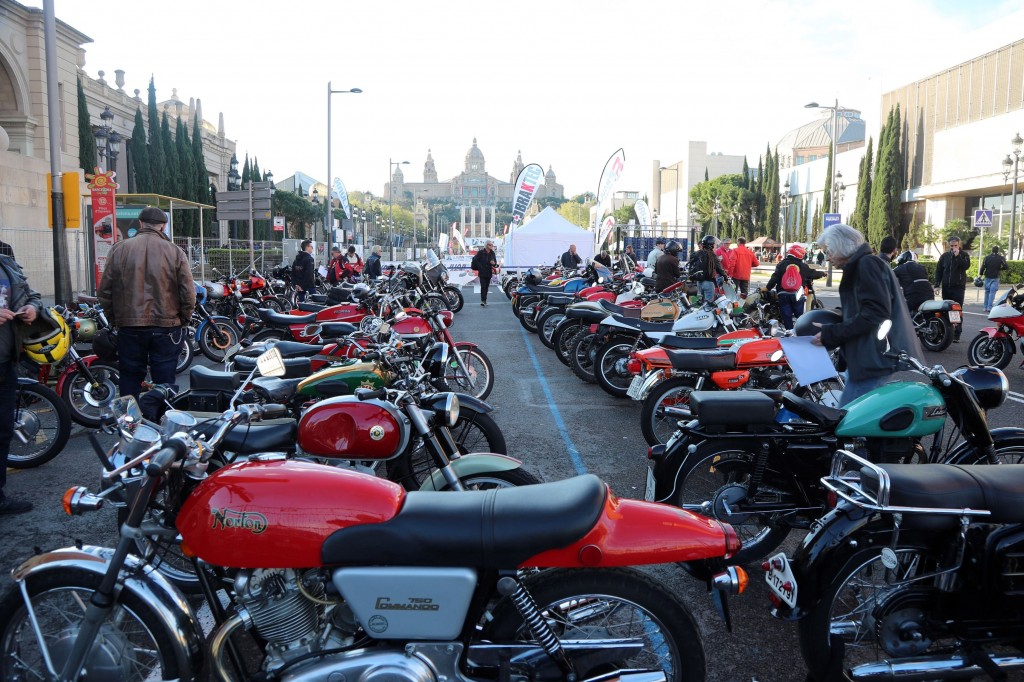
656,253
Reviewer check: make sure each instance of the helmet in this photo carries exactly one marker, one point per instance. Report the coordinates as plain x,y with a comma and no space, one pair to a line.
47,339
533,276
989,384
906,257
708,241
360,291
104,344
797,251
674,247
85,328
806,324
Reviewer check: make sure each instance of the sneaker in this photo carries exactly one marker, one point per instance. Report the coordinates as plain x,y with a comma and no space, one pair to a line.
11,506
482,304
956,340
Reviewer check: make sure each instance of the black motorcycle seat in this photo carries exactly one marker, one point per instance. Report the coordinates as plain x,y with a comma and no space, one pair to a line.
637,323
293,367
333,388
648,281
998,489
560,299
826,416
317,298
710,360
688,342
202,378
543,289
309,307
335,330
495,529
288,349
738,409
276,319
274,390
278,435
934,306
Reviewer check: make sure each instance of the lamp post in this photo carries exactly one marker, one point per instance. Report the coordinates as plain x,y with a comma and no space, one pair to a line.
234,184
329,202
717,210
108,141
833,180
784,198
1011,168
316,200
391,197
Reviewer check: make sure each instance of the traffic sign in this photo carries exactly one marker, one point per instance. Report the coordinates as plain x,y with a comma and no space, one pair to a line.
983,218
831,219
279,223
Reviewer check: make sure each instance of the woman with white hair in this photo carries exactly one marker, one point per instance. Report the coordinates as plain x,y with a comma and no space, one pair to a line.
869,295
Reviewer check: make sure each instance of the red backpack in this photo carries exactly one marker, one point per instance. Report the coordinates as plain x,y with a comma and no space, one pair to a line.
791,280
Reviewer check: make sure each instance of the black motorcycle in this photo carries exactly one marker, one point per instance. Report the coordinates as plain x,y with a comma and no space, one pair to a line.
933,322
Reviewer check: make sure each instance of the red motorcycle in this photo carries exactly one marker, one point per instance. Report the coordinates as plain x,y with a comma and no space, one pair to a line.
994,346
337,574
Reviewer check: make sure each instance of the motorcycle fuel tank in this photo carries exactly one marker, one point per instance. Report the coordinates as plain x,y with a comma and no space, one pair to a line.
757,352
277,514
412,328
354,373
902,409
349,428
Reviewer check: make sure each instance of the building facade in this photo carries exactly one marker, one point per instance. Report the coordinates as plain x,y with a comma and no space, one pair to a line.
672,184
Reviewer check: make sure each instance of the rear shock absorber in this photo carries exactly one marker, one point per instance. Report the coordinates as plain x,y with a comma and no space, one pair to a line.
534,619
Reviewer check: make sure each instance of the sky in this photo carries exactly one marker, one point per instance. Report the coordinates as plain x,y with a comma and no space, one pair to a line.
566,83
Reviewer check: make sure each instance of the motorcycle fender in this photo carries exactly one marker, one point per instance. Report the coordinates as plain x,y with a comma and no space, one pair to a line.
994,333
70,369
465,344
144,582
652,379
473,403
472,464
1001,437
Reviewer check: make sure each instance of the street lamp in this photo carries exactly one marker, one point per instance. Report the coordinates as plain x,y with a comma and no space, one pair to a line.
784,198
833,180
316,200
330,203
717,210
234,184
108,141
1011,169
391,197
838,190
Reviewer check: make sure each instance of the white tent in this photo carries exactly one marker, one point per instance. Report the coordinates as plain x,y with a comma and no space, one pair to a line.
542,240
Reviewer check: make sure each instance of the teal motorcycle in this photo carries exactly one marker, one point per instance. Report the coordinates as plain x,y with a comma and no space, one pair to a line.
755,459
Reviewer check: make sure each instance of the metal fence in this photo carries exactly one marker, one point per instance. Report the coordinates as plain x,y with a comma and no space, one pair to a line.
33,249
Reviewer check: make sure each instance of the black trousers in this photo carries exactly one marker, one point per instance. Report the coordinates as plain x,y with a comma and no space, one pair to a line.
955,294
485,284
8,404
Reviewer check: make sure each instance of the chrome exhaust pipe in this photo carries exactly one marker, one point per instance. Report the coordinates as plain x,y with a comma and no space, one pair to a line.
931,668
627,675
220,638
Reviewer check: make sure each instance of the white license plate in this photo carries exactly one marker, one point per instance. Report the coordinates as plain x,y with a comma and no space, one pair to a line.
779,577
954,316
634,387
649,489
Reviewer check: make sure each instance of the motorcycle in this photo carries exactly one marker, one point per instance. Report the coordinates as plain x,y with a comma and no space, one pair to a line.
993,347
367,580
436,281
755,459
214,334
42,425
933,323
913,575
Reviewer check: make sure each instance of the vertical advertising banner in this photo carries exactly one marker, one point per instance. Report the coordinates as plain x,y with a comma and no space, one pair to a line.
526,187
342,194
102,188
643,214
606,187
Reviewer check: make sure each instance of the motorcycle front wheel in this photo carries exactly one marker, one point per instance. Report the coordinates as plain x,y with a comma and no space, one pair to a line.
216,338
454,298
478,378
89,403
562,339
990,351
581,357
42,426
547,323
658,416
185,357
610,605
936,334
133,643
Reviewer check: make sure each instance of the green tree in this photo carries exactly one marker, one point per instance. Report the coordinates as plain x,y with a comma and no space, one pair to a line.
734,200
202,175
157,156
172,181
86,141
576,210
816,222
772,198
746,174
299,214
246,171
827,199
887,184
862,209
140,156
705,173
257,176
183,147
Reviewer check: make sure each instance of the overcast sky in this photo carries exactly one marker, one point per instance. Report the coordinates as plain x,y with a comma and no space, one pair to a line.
565,82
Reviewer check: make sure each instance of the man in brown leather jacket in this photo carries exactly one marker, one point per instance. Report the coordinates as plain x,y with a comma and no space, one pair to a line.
147,292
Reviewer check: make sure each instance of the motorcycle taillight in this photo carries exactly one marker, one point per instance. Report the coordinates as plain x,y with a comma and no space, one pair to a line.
633,366
732,541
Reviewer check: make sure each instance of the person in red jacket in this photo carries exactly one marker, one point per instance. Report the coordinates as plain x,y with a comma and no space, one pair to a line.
743,260
726,256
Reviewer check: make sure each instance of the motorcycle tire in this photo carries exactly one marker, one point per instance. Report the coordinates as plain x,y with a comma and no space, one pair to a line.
134,641
547,323
990,351
859,593
434,301
216,339
164,555
581,357
657,426
936,334
726,465
529,321
44,421
561,340
185,357
609,366
510,288
269,335
1008,451
455,298
489,480
616,603
517,307
88,404
480,381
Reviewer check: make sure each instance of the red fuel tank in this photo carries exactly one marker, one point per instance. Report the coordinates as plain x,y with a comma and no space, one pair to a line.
412,327
278,514
349,428
758,353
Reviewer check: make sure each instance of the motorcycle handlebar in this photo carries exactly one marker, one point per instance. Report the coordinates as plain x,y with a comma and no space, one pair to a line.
273,411
162,460
371,394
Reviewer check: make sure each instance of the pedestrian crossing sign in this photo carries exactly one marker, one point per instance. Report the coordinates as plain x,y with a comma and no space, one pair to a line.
983,218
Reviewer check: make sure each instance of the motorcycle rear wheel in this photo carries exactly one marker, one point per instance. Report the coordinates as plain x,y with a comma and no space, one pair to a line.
562,339
45,422
547,323
936,334
655,424
609,367
581,357
269,335
610,604
216,338
185,357
480,381
990,351
89,403
528,321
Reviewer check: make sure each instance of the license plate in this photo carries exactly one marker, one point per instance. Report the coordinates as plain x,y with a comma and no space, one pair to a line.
954,316
779,577
634,387
649,489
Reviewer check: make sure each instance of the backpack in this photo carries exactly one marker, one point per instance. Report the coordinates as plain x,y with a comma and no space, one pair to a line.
791,280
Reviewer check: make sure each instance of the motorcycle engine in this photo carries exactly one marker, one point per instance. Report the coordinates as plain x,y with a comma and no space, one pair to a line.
894,450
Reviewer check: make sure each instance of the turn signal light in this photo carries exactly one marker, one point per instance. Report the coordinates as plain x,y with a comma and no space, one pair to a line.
78,499
732,581
732,541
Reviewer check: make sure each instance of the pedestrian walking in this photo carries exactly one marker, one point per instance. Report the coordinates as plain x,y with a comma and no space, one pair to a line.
486,263
991,268
303,270
705,268
148,294
951,277
744,261
791,275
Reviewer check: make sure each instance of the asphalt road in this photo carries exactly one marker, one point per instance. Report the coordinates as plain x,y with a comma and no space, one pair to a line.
559,427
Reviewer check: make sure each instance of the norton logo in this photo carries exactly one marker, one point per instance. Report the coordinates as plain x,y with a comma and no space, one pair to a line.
224,519
376,432
413,604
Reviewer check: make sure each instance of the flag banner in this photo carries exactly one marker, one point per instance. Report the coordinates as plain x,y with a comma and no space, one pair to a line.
342,194
609,176
606,229
526,187
102,187
643,213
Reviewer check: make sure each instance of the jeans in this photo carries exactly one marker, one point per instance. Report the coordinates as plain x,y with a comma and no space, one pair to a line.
991,289
855,389
485,284
8,404
152,348
790,308
707,291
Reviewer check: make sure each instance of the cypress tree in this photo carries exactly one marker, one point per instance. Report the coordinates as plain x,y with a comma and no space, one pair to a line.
157,157
246,171
863,208
172,181
706,174
746,174
759,192
827,199
816,222
202,175
140,156
86,141
886,186
772,195
183,147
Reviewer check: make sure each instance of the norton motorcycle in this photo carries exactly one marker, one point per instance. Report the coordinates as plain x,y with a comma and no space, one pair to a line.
913,575
994,346
368,581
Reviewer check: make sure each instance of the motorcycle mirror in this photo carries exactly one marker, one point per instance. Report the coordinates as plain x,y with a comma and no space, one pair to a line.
126,411
883,329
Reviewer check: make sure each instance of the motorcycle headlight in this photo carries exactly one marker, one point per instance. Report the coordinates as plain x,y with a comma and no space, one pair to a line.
989,384
451,409
444,276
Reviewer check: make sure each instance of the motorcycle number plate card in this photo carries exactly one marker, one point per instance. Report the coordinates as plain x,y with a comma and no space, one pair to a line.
649,489
634,387
954,316
780,579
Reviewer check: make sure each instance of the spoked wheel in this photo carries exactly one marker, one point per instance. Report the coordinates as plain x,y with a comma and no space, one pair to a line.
610,367
478,378
528,319
562,339
609,604
936,335
714,480
185,356
164,554
581,357
454,298
663,408
547,324
990,351
87,402
42,426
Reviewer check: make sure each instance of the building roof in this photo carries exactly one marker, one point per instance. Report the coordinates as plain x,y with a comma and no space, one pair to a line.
818,133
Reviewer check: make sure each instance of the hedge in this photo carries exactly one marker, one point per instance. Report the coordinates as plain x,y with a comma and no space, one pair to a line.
1013,275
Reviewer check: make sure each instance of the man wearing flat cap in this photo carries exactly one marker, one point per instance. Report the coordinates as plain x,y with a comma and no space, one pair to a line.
148,295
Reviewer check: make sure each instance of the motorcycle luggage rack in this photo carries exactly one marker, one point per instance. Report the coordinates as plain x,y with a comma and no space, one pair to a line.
846,484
